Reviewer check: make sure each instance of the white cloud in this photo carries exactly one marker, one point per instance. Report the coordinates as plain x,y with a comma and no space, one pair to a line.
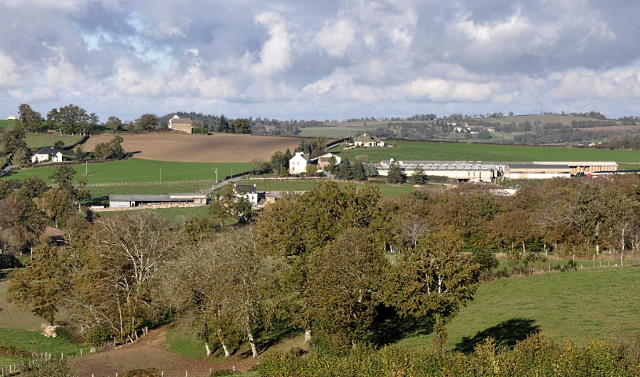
336,37
441,90
275,55
130,82
337,78
585,84
8,74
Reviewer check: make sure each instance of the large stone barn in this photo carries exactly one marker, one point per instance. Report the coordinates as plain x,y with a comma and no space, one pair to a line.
181,124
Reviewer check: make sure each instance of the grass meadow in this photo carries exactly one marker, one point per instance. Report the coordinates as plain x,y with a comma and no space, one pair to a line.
174,215
42,140
6,124
19,329
387,191
433,151
579,306
137,170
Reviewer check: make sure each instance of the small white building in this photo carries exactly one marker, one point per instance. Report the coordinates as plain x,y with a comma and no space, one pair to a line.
12,117
46,155
247,191
325,160
298,163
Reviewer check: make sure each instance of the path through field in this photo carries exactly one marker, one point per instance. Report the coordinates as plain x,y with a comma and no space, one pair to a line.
148,354
169,146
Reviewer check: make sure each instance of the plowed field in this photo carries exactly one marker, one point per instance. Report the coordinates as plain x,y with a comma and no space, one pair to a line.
166,146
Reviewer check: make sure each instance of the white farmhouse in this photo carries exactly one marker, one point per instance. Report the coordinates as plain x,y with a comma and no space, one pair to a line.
47,154
298,163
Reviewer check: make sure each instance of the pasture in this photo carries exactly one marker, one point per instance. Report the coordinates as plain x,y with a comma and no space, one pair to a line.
137,170
14,318
6,124
580,306
174,215
387,191
43,140
181,147
433,151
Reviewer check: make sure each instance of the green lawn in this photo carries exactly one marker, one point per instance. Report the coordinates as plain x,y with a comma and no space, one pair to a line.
415,150
12,317
174,215
164,189
580,306
33,341
36,141
6,124
387,191
136,170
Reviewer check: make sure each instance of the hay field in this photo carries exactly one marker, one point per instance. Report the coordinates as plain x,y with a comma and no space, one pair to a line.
564,119
178,147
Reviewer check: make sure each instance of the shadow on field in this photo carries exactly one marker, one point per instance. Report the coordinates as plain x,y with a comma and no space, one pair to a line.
505,334
391,327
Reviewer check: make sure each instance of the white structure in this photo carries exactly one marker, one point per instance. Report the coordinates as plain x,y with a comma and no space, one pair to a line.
181,124
247,191
366,140
298,163
325,160
460,170
46,155
12,117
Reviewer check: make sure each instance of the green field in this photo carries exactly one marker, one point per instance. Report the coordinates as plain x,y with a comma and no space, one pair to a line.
36,141
6,124
579,306
14,318
174,215
164,189
136,170
431,151
387,191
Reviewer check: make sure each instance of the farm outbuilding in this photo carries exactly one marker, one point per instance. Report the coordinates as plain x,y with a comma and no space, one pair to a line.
460,170
181,124
538,170
576,167
126,201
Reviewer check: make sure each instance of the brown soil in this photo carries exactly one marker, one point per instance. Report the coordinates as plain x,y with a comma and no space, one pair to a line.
173,146
147,353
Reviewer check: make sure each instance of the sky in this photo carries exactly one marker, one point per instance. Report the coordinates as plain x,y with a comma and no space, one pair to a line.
329,59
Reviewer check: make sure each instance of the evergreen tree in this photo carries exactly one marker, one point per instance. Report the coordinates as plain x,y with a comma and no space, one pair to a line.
358,171
223,124
419,178
396,175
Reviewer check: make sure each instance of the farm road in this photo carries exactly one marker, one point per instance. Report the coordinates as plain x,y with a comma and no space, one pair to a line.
147,353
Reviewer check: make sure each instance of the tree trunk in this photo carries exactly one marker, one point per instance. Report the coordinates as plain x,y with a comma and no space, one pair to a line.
307,335
254,351
225,349
207,348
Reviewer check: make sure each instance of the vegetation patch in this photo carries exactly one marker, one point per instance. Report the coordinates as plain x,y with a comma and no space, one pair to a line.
433,151
33,341
137,170
580,306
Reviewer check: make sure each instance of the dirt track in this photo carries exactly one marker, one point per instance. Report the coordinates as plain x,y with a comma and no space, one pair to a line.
147,354
172,146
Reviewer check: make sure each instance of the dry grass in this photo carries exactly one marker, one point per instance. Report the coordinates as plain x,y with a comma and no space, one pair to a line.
166,146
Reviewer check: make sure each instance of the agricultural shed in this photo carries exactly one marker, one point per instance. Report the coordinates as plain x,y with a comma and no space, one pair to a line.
125,201
586,166
539,170
460,170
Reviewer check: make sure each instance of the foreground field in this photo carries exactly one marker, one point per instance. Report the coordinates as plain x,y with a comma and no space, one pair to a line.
579,306
179,147
387,191
137,170
431,151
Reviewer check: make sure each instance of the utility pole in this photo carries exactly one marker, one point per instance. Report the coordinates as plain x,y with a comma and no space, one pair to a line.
216,176
86,167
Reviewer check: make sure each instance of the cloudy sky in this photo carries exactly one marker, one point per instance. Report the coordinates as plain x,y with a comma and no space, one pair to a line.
312,59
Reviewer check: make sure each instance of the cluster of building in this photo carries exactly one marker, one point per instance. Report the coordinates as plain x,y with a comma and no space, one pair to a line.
481,171
181,124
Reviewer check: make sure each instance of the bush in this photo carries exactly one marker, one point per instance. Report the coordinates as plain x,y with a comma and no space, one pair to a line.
98,337
42,367
9,261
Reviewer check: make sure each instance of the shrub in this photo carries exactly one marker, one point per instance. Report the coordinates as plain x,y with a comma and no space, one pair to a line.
42,367
152,372
98,337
